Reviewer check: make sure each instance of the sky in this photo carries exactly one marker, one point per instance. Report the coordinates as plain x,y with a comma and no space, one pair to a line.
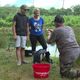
41,3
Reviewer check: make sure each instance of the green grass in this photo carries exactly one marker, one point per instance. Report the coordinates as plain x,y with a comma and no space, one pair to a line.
10,71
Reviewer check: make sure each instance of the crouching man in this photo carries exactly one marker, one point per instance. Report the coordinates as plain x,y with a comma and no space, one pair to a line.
67,45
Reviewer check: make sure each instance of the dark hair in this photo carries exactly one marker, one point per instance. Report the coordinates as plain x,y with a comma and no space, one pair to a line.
24,7
59,19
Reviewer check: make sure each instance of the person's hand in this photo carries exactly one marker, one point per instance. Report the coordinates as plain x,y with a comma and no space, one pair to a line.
49,33
15,37
50,30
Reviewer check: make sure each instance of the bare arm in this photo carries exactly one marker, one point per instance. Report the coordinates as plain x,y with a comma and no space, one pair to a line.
14,30
51,37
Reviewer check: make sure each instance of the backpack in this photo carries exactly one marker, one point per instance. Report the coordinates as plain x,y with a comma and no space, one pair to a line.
41,55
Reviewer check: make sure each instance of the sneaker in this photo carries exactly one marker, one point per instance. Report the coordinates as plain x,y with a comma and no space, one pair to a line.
18,63
49,61
25,62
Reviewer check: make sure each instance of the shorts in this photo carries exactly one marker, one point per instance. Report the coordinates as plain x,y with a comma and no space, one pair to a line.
21,41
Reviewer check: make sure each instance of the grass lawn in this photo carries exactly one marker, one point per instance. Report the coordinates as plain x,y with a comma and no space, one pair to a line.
10,71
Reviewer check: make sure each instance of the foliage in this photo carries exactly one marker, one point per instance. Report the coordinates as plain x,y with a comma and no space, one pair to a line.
71,16
7,13
3,38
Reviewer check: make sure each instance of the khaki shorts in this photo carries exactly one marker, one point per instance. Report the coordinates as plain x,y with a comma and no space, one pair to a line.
21,41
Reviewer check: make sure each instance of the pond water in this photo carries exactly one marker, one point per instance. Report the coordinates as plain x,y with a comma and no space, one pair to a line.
51,48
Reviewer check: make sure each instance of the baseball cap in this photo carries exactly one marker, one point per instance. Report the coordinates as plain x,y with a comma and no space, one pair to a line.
59,19
24,7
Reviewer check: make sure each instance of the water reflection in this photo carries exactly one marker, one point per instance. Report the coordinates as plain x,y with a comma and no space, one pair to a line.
51,48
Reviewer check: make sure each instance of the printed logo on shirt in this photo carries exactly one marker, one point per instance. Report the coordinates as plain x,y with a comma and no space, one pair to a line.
37,27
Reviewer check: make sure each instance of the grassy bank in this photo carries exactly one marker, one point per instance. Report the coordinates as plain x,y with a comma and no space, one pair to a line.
10,71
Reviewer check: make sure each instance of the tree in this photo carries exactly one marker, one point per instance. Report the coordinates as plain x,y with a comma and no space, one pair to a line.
76,10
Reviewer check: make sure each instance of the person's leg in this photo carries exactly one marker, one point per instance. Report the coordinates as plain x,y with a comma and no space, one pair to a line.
67,61
42,41
18,49
33,41
18,55
67,71
22,55
23,45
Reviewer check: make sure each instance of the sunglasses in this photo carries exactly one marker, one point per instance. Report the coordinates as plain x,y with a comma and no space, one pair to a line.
26,9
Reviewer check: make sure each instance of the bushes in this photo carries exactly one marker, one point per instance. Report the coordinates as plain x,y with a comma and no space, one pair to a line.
77,33
4,37
73,21
5,23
